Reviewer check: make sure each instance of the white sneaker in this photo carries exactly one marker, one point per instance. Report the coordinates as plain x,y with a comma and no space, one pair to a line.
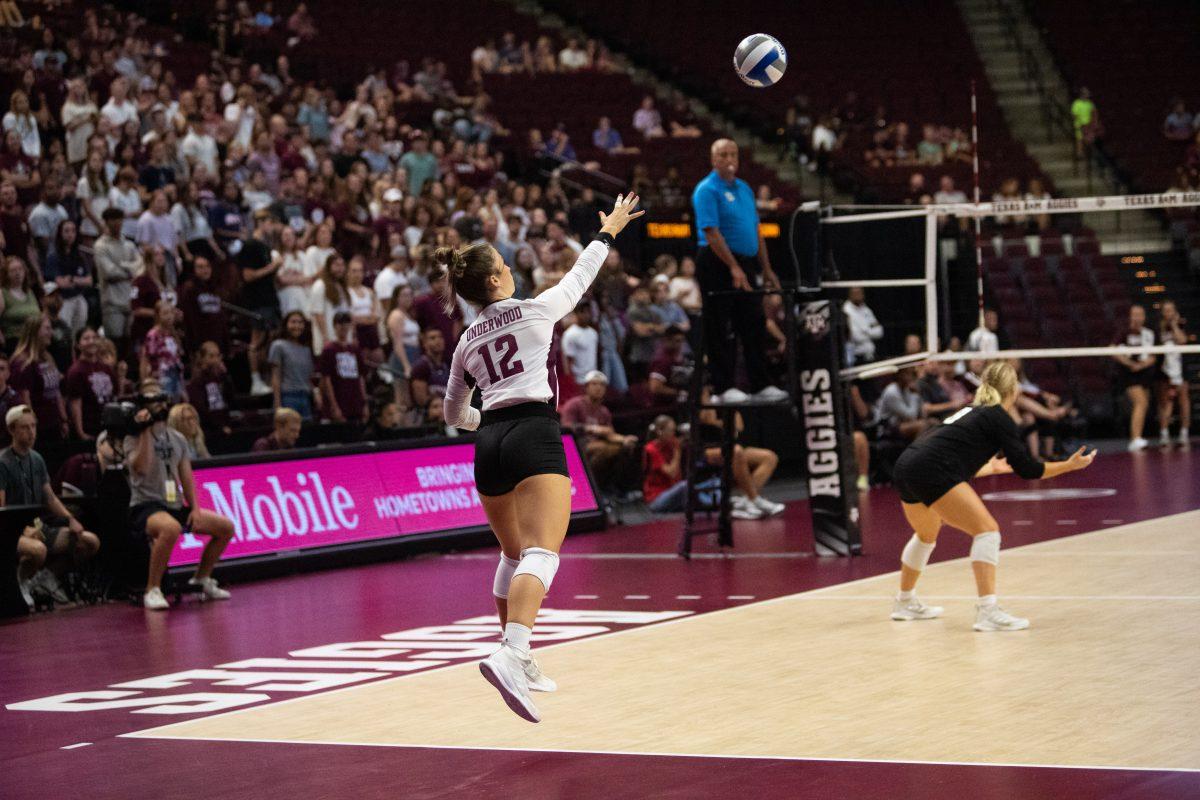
1138,444
771,394
505,669
48,581
1164,441
537,680
209,589
733,395
258,386
768,507
26,594
913,608
1185,442
995,618
744,509
155,601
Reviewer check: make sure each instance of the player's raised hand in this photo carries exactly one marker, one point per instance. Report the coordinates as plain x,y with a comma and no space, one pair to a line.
614,221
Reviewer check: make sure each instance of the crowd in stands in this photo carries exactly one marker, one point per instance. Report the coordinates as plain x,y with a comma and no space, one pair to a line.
1182,126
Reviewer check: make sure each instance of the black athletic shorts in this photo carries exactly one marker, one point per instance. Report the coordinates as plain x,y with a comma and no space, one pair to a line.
516,442
140,514
919,482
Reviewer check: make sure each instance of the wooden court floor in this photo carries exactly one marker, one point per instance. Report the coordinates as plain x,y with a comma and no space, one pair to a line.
1105,677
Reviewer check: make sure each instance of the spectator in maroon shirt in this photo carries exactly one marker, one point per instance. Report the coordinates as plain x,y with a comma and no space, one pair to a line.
391,221
285,435
18,240
204,318
607,451
667,358
89,385
37,380
431,372
148,289
20,170
341,373
429,309
210,389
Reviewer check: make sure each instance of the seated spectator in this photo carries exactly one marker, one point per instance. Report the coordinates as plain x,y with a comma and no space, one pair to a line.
862,328
900,406
37,380
341,373
204,317
985,338
671,312
1037,191
684,124
89,385
431,372
386,423
1009,192
752,466
608,139
1044,413
284,436
666,385
647,120
645,326
764,201
685,290
1179,124
160,480
606,450
8,397
184,418
18,300
162,354
558,146
664,488
948,193
291,359
581,344
210,390
940,399
929,149
72,275
573,58
55,537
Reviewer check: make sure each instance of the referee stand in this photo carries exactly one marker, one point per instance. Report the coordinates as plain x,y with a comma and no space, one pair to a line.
697,471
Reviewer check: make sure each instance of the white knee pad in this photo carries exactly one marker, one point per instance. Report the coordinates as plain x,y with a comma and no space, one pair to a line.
916,553
504,575
540,563
986,548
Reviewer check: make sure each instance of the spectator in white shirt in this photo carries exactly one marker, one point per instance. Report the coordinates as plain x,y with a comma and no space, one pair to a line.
119,109
199,147
573,57
647,120
79,116
390,277
242,115
20,119
862,328
581,344
984,338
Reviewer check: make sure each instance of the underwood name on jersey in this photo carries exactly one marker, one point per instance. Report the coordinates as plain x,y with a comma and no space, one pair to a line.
492,323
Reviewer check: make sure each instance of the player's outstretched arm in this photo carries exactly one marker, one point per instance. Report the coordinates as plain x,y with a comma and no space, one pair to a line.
561,299
1080,459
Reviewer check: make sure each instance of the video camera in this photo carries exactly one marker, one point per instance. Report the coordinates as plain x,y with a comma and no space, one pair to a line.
118,419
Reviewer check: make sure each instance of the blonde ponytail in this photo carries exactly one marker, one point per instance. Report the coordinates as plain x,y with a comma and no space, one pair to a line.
997,382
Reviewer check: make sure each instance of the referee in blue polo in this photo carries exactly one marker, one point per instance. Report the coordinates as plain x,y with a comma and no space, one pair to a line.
732,256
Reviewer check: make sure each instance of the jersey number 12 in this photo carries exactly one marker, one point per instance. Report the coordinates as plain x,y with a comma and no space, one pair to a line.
506,348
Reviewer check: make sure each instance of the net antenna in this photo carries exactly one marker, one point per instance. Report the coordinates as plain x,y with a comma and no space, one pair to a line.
978,220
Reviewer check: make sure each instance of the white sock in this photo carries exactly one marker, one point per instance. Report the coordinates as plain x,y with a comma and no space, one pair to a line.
516,636
903,595
987,600
1164,433
1183,433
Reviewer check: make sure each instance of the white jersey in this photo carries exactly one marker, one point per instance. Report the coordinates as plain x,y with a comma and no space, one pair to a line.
1172,363
506,350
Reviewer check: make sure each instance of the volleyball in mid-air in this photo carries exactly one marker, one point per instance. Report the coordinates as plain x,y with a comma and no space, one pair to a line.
760,60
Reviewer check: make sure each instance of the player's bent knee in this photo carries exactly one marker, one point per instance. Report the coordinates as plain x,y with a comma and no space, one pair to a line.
985,547
540,563
916,553
505,571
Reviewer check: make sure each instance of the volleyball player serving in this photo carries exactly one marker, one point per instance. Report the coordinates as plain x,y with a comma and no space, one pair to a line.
520,466
931,477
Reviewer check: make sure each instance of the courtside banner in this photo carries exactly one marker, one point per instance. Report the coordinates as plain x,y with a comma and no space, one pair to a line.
334,499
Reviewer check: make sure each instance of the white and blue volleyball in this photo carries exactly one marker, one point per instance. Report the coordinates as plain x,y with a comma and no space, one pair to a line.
760,60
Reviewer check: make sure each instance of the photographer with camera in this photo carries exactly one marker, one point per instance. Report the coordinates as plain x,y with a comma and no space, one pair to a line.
159,469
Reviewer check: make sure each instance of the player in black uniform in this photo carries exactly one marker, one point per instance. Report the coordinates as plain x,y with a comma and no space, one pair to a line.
932,478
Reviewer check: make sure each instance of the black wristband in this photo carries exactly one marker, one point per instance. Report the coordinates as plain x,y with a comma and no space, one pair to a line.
607,238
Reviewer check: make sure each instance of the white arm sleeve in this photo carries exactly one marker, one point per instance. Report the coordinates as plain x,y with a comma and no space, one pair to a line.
562,299
457,404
